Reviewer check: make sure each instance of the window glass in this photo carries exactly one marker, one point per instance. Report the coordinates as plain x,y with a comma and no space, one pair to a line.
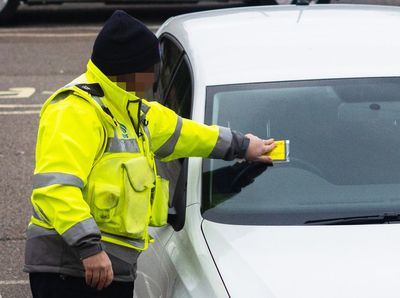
174,90
179,99
170,57
180,91
344,157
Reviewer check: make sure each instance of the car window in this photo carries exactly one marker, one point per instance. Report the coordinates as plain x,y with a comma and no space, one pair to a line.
179,99
171,53
344,155
179,94
175,92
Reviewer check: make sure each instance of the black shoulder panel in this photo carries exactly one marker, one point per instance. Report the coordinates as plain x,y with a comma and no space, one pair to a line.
92,89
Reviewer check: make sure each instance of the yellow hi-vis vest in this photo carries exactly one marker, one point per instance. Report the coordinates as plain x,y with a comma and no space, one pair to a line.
103,175
123,191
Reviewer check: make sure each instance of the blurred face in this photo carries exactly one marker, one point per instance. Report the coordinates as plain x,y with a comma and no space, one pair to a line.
139,82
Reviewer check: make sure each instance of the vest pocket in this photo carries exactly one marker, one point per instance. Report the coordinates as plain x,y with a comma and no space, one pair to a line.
159,206
138,182
105,202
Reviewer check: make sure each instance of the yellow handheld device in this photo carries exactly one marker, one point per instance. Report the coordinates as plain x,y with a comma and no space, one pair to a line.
281,152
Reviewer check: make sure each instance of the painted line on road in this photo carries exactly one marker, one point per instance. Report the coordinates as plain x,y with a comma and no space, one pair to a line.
20,106
52,29
14,282
3,106
48,34
20,92
20,112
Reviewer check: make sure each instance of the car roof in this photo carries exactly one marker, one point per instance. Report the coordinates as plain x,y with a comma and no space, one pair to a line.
280,43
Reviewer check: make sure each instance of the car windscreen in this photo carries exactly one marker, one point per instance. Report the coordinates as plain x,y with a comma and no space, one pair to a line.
344,151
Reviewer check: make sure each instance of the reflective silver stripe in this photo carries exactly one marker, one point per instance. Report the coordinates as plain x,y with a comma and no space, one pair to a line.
147,132
145,109
135,242
169,145
223,143
46,179
122,145
36,231
98,100
80,230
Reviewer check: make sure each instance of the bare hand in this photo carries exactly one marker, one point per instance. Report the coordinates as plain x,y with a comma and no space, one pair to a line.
258,148
98,270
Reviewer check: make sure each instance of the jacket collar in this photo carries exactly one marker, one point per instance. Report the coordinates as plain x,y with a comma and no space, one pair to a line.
115,98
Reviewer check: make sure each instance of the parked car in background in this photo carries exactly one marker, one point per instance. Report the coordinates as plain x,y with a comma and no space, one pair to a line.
8,8
323,223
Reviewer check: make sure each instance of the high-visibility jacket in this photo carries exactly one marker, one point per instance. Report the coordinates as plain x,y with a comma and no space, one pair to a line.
95,184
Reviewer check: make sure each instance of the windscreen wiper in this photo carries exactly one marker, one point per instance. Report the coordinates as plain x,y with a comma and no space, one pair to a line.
357,220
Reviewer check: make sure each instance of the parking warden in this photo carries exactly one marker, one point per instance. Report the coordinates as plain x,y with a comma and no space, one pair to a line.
95,186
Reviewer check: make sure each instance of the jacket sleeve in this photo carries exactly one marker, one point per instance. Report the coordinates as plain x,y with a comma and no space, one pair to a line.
69,138
174,137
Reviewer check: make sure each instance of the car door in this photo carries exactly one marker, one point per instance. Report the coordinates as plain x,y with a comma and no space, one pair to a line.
156,273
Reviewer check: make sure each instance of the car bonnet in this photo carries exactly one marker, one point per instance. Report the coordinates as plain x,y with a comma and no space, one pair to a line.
304,261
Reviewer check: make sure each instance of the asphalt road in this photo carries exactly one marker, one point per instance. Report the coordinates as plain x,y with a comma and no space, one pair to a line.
41,50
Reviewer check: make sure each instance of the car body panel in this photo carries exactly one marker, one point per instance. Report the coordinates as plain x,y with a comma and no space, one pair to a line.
306,261
186,267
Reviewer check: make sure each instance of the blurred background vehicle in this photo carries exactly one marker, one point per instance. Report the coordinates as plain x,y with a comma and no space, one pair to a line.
8,8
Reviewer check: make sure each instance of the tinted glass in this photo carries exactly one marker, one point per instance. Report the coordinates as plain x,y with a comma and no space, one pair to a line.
175,92
179,99
180,91
170,58
344,151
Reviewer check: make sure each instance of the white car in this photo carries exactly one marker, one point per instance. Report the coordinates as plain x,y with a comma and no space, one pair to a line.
324,222
8,8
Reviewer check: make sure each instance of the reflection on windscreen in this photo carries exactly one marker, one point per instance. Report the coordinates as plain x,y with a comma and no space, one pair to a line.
344,151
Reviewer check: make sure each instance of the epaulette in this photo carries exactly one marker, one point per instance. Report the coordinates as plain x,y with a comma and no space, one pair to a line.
96,92
92,89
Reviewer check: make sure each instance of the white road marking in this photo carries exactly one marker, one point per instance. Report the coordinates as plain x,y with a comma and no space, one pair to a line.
47,92
23,92
18,106
14,282
3,106
52,29
20,112
35,35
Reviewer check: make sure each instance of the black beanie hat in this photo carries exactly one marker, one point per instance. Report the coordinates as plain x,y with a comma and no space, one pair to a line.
125,45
